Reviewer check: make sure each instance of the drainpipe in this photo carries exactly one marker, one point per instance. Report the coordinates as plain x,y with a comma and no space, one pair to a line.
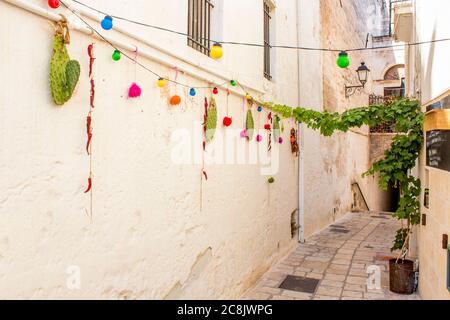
301,160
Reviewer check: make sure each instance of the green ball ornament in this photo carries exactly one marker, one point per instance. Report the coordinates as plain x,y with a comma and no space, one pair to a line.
343,60
116,55
271,180
233,83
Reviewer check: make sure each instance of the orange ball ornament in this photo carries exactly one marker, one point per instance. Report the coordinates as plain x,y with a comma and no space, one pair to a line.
175,100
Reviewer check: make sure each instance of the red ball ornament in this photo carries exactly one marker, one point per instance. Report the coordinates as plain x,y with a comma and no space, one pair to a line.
215,91
267,127
54,4
227,121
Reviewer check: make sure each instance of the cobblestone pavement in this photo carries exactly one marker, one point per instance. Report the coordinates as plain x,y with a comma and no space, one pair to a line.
339,259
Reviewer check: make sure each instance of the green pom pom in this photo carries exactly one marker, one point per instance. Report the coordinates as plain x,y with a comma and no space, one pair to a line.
343,60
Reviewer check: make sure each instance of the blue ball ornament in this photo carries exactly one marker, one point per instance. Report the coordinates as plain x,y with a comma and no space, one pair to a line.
192,92
107,23
260,109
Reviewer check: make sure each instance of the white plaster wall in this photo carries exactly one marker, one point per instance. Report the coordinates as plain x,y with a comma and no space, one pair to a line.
148,237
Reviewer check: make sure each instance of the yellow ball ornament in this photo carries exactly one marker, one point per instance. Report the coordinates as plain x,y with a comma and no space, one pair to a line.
161,83
216,51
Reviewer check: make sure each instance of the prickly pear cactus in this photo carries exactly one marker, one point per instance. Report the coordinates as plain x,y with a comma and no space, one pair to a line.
64,73
211,120
250,124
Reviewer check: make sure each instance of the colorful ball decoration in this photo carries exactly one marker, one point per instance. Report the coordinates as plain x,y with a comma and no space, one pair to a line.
248,97
216,51
161,83
227,121
260,109
244,133
271,180
135,91
175,100
215,90
267,126
192,92
343,60
280,140
107,23
54,4
116,55
233,83
259,138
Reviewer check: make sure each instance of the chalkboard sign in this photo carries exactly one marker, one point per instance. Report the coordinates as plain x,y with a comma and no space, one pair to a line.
438,149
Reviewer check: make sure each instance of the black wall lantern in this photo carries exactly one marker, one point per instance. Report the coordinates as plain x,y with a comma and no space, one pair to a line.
363,75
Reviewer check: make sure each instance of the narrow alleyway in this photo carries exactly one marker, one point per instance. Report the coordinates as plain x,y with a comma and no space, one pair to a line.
338,258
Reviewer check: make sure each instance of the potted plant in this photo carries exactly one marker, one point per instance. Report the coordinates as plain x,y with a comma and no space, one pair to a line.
402,274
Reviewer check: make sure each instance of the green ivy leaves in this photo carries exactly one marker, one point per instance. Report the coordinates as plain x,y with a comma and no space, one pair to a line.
394,169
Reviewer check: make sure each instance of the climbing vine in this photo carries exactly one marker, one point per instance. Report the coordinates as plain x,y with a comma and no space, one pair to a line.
395,168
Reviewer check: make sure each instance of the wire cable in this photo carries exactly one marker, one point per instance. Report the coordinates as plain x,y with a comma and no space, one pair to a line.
133,59
261,45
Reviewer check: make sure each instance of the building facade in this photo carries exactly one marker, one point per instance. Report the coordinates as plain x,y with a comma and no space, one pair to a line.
429,81
155,226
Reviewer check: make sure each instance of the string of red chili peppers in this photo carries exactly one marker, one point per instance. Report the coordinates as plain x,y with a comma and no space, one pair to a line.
89,121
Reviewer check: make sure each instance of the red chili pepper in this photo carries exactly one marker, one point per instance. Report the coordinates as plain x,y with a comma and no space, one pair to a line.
92,93
89,132
91,56
89,188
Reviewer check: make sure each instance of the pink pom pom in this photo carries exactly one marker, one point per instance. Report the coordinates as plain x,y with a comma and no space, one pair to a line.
134,91
280,140
259,138
244,134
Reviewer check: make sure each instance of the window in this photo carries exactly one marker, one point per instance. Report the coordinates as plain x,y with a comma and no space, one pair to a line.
199,25
267,47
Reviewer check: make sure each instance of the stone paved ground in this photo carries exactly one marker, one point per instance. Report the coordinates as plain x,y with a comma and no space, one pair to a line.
339,261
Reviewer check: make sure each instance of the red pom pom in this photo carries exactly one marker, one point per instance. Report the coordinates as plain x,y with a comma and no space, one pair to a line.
267,127
215,91
227,121
54,4
134,91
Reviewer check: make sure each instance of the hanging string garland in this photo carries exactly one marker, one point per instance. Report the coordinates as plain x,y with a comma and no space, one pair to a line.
227,121
175,100
135,90
89,130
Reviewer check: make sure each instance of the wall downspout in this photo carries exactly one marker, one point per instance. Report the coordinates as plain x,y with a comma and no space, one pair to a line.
301,160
